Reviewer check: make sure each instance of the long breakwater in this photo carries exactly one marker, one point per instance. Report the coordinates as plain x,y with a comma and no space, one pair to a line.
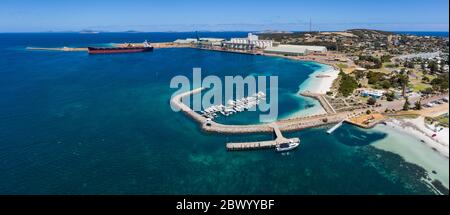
287,125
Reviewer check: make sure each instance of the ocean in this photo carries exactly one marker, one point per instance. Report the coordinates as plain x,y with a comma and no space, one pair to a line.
424,33
78,124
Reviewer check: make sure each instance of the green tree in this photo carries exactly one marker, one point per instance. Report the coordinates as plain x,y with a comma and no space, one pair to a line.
386,84
409,64
374,77
403,80
422,66
406,105
359,74
428,90
386,58
434,67
390,96
440,83
347,84
418,105
371,101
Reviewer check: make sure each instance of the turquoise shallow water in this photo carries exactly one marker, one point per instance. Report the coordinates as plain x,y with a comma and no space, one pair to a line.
79,124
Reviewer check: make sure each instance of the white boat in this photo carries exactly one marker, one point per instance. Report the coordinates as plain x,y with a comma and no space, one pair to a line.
287,146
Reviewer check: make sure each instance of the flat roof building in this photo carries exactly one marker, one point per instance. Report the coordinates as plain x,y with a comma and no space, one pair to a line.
206,39
376,94
211,41
186,41
295,50
251,40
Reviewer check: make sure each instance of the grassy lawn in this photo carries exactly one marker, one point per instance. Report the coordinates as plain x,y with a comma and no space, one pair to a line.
364,99
417,83
342,66
431,77
388,65
420,87
443,121
382,70
405,114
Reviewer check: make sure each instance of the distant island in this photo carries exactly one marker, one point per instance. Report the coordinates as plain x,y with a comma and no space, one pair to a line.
89,32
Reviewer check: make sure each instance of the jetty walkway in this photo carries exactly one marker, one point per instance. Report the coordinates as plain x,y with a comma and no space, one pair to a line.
280,139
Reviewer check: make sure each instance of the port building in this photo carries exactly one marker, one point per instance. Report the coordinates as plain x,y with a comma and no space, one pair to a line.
295,50
252,41
376,94
186,41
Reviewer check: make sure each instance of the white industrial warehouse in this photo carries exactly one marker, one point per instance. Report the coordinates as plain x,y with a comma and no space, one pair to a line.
251,40
295,50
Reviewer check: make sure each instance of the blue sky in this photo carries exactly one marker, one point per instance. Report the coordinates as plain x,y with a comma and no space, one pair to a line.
224,15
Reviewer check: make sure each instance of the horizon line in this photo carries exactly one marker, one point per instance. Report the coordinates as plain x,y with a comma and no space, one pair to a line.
174,31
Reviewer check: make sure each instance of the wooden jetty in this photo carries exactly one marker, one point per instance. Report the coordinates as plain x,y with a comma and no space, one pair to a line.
262,144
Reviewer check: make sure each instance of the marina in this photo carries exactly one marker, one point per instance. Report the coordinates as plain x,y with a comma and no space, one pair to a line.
287,125
234,106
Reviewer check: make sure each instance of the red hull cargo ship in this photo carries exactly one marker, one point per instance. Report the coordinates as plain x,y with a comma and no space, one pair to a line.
116,50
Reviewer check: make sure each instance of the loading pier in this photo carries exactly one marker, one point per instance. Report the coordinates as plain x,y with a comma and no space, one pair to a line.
262,144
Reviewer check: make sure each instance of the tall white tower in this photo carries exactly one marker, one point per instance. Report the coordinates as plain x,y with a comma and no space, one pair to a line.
252,37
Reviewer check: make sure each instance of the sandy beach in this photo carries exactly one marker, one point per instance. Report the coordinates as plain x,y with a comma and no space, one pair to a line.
435,139
420,143
412,150
320,82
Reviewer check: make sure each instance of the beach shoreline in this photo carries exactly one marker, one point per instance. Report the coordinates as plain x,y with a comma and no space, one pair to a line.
402,142
318,82
417,128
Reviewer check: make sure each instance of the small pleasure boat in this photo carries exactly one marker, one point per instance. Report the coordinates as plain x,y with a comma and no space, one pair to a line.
284,147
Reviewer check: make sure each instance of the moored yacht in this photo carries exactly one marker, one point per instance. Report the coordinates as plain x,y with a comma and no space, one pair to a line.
291,145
